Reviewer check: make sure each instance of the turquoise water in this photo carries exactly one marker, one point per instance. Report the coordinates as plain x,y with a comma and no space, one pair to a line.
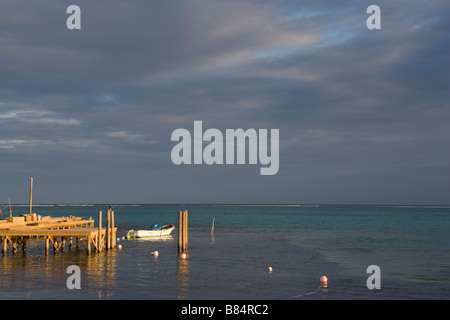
410,244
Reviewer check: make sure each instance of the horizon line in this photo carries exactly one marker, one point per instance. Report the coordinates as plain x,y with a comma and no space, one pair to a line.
219,204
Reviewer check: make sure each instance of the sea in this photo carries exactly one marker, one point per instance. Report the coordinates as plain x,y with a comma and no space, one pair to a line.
245,252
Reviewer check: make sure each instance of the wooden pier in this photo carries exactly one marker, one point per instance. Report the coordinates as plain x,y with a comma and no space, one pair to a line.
58,231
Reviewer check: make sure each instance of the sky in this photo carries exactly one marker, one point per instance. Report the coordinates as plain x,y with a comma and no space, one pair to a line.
363,114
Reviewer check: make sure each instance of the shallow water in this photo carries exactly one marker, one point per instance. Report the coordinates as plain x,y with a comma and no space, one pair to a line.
300,243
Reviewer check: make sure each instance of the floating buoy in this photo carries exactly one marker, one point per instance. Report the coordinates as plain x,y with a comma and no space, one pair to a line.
155,253
119,247
183,256
323,279
270,269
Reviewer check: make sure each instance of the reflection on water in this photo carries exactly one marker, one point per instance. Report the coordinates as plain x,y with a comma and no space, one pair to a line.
183,277
101,272
39,276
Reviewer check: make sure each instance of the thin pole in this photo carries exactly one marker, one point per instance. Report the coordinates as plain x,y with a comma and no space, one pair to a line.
31,194
10,211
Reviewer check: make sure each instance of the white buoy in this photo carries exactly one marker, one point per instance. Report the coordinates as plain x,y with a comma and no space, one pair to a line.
183,256
155,253
119,246
270,269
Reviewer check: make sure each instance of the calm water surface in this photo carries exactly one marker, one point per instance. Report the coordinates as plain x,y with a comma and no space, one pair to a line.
410,245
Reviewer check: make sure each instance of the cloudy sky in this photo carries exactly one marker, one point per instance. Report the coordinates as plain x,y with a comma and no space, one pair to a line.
363,114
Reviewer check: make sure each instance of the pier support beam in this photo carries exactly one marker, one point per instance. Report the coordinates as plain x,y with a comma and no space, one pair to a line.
88,250
113,231
5,244
108,229
47,244
99,233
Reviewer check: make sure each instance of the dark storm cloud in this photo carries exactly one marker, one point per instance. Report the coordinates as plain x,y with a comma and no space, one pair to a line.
362,113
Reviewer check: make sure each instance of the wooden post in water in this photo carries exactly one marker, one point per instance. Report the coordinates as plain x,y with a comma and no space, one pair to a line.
113,232
47,244
108,229
89,244
5,244
99,238
185,233
182,231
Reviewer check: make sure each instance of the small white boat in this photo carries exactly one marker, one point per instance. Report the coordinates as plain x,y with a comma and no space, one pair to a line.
154,231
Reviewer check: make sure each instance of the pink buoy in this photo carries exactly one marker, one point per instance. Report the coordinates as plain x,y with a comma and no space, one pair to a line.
183,256
155,253
323,279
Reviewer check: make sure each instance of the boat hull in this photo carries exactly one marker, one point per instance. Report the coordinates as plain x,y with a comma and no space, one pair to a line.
164,231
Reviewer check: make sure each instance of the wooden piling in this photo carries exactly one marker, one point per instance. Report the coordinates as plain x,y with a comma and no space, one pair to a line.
5,244
47,244
185,233
108,229
89,239
113,231
99,233
182,231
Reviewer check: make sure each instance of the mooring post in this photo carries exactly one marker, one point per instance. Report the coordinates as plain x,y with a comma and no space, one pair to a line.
108,229
113,231
185,233
180,231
